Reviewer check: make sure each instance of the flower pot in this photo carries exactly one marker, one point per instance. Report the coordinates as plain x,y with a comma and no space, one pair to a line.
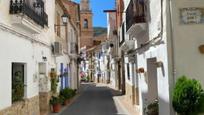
66,102
56,108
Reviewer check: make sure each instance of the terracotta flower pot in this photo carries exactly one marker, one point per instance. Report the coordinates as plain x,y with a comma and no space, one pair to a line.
56,108
66,102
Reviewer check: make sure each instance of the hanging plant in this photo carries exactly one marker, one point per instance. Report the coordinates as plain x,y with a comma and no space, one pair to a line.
54,81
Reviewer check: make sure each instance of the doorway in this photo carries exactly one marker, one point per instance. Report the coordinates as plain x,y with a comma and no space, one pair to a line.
152,80
18,86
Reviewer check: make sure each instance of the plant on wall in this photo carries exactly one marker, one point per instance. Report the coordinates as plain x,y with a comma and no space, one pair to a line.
18,87
54,85
54,81
188,96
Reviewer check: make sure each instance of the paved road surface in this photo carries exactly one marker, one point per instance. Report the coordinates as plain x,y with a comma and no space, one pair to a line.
95,100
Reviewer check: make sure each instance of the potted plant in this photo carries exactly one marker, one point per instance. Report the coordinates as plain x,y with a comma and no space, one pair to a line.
66,94
56,103
152,108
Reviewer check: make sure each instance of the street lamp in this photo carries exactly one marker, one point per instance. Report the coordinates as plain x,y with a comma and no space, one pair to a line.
64,17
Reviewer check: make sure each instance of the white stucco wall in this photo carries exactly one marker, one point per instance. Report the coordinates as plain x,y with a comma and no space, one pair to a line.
17,49
14,50
187,38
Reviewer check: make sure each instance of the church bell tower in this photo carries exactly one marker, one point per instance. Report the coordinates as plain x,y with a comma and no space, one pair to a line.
86,24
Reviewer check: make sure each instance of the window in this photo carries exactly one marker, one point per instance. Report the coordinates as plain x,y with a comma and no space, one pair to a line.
85,23
17,81
58,30
42,68
128,71
122,37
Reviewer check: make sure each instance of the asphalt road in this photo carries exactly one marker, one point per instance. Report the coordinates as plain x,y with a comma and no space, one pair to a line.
95,100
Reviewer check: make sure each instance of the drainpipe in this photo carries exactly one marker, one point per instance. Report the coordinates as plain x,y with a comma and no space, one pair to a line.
172,51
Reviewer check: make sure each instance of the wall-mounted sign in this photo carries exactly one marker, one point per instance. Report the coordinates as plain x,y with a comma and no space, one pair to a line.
192,15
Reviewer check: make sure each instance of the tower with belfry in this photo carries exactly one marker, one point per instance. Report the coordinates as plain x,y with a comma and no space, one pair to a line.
86,24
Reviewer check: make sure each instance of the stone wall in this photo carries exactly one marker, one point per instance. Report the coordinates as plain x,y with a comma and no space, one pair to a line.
130,94
44,103
25,107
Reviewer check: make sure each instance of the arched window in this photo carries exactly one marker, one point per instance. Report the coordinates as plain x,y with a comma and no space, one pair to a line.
85,23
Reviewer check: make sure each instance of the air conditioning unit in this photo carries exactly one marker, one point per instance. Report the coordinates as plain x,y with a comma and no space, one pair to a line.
128,45
57,48
105,46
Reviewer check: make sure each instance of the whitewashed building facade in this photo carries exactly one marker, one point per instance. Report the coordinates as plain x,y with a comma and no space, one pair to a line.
29,42
166,43
26,55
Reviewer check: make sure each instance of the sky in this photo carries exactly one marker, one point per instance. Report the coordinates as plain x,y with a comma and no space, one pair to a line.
97,7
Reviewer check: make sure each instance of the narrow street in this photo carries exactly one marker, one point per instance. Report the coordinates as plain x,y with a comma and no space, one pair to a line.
95,100
102,57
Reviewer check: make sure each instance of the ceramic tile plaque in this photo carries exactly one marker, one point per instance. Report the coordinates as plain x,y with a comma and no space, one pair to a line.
192,15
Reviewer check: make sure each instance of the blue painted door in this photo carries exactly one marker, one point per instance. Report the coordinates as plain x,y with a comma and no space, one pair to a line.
61,75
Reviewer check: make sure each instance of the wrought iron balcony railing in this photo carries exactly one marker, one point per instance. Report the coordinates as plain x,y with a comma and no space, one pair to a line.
34,9
135,13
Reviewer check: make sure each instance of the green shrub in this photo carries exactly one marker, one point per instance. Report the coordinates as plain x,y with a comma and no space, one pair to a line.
187,96
56,100
73,92
68,93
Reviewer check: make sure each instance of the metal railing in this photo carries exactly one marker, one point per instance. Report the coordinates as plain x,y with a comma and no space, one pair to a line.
30,8
135,13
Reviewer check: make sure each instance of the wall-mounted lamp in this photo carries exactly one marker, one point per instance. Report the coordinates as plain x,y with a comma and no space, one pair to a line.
44,58
159,63
64,17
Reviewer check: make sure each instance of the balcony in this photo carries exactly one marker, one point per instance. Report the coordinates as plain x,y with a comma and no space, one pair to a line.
135,15
28,14
128,45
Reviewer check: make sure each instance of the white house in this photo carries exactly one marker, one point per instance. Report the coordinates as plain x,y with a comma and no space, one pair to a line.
26,57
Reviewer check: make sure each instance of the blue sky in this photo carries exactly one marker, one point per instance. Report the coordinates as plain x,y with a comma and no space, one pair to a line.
97,6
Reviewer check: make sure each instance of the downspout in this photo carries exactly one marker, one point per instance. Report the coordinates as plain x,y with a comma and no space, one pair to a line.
172,49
